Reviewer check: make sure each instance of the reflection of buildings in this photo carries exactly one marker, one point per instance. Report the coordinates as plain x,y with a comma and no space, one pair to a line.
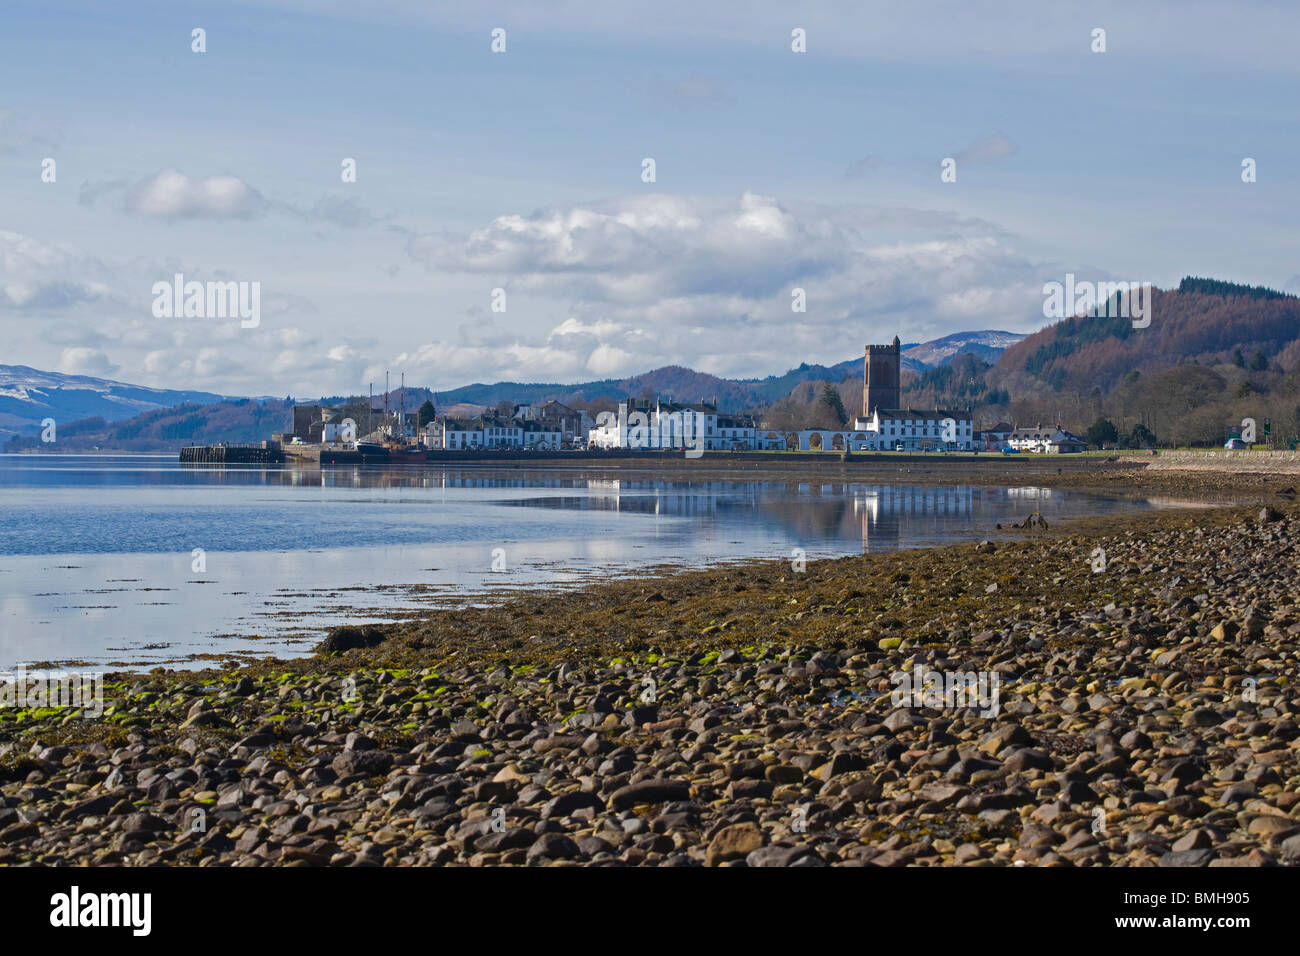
885,509
1032,493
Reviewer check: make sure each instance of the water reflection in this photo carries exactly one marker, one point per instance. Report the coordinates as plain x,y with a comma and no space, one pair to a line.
95,550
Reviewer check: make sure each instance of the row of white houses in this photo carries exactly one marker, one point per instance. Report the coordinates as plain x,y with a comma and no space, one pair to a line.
660,424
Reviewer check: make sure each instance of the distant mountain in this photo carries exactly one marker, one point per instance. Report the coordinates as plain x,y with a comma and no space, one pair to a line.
987,346
1203,322
1215,353
236,420
109,414
28,395
684,384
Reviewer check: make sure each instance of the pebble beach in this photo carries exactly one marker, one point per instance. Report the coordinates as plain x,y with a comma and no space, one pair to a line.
744,715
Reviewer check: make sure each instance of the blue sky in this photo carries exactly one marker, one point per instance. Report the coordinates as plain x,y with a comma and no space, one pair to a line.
522,171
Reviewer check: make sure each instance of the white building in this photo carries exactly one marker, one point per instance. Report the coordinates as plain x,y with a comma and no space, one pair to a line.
572,424
736,433
489,432
889,429
453,434
660,424
541,436
1052,440
333,432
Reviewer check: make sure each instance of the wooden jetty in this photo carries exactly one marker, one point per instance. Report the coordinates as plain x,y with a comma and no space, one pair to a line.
266,453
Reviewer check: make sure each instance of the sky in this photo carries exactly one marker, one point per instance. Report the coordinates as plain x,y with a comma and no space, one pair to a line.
524,171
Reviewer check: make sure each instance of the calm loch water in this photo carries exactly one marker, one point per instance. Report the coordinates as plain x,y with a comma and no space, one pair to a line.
136,559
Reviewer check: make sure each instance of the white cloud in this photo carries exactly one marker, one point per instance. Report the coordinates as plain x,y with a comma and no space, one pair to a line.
35,274
84,361
608,361
664,279
572,326
173,195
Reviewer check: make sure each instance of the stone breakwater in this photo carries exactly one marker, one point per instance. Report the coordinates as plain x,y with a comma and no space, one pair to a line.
1278,463
1146,715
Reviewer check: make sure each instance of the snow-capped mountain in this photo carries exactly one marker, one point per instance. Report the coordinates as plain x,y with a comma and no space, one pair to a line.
987,345
28,395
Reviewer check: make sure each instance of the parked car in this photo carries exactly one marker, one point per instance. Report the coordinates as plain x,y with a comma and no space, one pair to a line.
1235,444
1008,450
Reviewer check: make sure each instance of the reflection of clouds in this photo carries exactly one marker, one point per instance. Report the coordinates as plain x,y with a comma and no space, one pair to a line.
1160,502
383,540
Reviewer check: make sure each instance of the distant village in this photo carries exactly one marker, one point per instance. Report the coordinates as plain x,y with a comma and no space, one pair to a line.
661,423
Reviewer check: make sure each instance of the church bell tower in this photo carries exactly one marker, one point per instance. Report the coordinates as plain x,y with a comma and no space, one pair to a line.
880,377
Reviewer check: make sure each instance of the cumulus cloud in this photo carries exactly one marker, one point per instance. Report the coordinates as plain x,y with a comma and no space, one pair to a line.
990,149
222,357
173,195
639,248
446,363
86,361
39,275
608,360
662,279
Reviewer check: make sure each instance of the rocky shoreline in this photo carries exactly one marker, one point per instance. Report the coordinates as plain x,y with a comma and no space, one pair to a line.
1141,713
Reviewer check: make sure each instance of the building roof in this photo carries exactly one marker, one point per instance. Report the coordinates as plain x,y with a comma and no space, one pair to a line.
462,425
668,405
937,414
482,422
1051,432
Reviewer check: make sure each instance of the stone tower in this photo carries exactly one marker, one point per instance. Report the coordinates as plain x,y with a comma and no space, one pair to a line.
880,375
